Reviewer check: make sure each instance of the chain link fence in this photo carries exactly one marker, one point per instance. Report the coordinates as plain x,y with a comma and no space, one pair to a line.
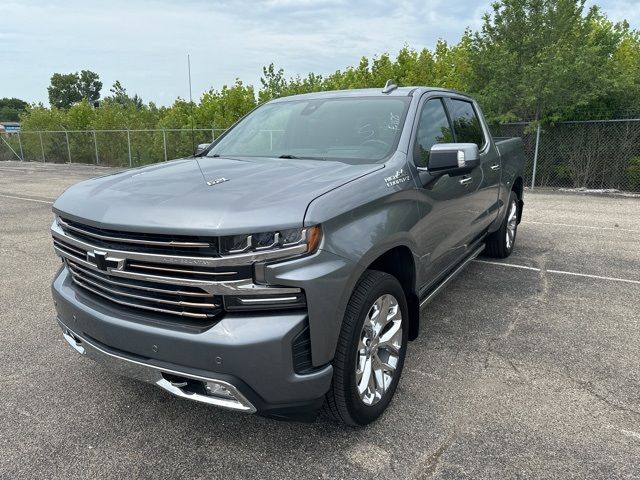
113,148
582,154
587,154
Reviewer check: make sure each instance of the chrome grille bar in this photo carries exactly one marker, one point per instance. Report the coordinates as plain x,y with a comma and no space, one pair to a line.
71,248
144,307
178,270
107,279
180,303
168,243
225,261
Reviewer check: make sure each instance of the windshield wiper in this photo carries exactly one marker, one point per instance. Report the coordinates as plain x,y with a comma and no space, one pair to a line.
293,157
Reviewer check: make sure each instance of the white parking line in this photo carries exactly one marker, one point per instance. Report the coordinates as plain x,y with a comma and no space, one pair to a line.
561,272
26,199
508,265
613,279
617,229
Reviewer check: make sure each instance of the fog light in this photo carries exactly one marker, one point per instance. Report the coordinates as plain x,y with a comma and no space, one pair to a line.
217,390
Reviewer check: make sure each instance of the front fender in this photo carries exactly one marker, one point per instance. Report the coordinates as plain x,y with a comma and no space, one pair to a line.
369,217
359,224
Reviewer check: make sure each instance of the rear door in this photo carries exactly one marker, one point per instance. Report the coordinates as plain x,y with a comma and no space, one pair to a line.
484,181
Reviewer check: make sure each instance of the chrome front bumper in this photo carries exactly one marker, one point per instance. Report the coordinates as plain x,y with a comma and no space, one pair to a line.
161,377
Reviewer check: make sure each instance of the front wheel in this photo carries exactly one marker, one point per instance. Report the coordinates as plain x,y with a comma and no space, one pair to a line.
370,352
500,243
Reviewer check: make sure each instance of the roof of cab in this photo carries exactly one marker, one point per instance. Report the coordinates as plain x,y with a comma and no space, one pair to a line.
365,92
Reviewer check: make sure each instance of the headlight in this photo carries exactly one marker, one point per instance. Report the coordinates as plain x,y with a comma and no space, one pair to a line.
257,242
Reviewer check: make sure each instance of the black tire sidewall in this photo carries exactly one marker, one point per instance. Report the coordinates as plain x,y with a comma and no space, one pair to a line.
361,413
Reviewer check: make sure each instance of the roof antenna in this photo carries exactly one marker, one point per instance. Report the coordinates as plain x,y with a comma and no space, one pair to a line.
389,86
193,135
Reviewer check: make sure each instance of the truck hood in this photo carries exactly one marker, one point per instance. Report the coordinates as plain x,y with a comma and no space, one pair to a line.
207,196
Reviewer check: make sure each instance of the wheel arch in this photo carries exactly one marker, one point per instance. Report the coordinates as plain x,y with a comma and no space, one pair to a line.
400,263
518,189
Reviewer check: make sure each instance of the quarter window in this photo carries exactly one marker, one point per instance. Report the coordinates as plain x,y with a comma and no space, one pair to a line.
466,124
433,127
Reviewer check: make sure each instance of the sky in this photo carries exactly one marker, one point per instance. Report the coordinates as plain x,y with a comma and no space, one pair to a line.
144,43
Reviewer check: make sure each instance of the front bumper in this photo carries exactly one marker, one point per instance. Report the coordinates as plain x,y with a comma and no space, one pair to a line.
248,354
173,381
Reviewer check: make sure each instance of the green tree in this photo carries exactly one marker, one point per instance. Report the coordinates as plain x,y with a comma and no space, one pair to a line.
538,59
452,64
119,95
63,91
623,99
11,108
89,86
70,88
220,109
81,116
40,118
273,83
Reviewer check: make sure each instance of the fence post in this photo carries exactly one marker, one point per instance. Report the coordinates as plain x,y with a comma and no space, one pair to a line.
95,144
21,151
164,142
129,144
44,160
66,134
535,158
213,134
10,147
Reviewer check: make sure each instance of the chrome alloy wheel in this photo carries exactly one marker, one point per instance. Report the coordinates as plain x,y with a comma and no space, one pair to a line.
512,223
378,349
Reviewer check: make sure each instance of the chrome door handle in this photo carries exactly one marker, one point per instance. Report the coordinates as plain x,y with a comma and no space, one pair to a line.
495,167
465,180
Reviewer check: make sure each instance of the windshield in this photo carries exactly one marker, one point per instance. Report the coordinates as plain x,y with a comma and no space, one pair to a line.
362,130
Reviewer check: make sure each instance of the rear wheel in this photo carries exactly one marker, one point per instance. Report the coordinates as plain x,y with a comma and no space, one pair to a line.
500,243
371,350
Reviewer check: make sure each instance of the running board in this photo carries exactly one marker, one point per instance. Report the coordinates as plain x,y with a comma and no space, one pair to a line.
452,275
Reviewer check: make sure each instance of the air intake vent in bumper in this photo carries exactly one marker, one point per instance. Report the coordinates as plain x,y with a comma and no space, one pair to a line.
302,352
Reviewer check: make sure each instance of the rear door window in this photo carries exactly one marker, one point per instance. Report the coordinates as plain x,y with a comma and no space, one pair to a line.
466,124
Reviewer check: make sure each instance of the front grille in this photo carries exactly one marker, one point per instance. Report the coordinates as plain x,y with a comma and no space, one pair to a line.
155,297
152,273
146,294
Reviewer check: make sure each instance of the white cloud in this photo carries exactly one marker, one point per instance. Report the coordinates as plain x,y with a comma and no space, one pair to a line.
144,44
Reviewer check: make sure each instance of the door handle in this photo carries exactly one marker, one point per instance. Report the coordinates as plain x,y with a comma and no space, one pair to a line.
495,167
465,180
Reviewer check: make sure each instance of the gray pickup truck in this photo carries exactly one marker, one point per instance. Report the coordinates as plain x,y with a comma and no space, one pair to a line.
282,270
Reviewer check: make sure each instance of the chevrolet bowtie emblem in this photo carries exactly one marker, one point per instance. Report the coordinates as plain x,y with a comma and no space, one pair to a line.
104,262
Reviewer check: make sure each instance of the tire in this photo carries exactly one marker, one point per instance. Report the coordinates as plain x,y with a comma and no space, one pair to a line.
500,243
345,402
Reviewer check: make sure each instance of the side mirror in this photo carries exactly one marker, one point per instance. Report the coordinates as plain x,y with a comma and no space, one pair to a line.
201,148
453,158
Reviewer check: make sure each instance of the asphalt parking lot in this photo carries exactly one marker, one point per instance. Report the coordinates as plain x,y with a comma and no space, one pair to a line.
524,370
